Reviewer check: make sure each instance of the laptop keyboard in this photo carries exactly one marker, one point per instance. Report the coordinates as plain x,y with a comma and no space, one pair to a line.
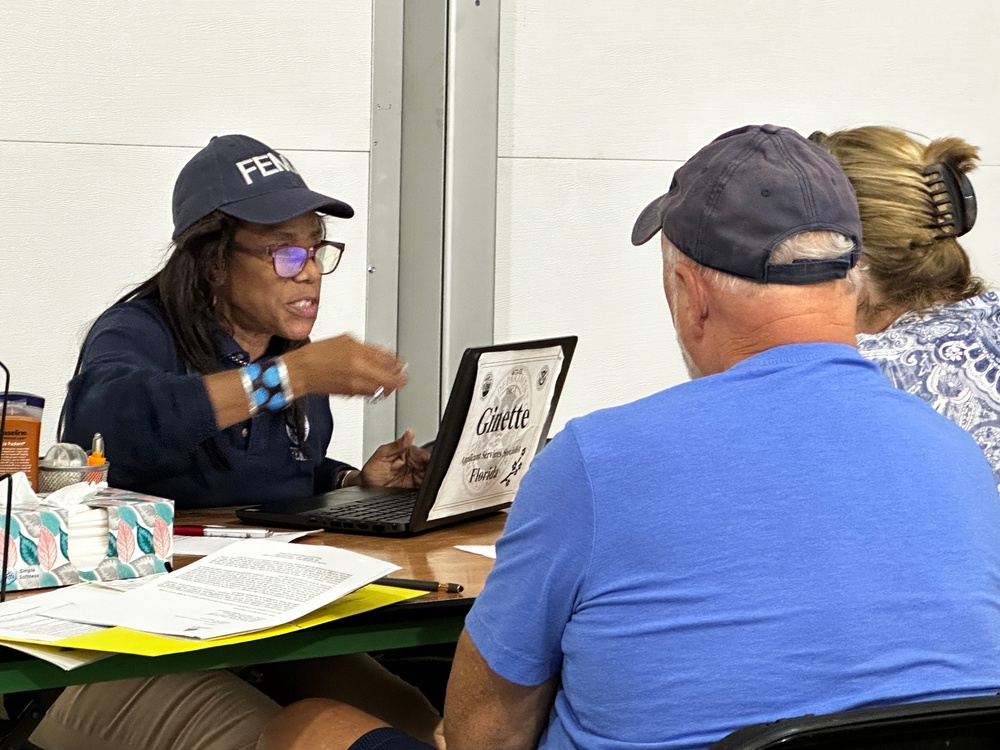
374,508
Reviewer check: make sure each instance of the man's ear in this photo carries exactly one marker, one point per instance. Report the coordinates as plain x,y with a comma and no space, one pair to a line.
693,296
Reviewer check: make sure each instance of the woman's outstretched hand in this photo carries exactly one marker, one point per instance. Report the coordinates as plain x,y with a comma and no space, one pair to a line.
344,366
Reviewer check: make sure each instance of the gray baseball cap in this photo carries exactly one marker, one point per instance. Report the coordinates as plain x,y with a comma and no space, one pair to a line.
244,178
747,191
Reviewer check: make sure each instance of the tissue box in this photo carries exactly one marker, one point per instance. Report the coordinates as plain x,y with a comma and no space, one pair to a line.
139,535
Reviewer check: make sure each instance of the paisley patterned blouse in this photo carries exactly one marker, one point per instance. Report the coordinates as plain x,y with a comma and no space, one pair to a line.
950,357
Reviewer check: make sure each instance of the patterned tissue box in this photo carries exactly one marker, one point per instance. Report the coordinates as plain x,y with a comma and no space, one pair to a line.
139,541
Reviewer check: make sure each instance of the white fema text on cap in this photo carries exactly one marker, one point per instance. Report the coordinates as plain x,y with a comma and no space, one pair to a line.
265,164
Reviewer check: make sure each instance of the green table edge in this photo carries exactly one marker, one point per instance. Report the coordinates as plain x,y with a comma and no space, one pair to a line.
29,673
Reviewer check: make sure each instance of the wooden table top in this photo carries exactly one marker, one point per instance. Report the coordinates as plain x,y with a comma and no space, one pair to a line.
429,556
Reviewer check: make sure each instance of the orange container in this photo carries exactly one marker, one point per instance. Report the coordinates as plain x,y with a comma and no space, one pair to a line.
21,434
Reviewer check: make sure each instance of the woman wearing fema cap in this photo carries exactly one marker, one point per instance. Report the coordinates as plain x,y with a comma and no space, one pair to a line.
207,390
923,316
202,380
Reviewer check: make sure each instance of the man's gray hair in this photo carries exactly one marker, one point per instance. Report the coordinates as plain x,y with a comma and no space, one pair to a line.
817,245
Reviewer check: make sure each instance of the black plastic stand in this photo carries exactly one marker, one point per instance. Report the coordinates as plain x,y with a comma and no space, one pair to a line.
10,483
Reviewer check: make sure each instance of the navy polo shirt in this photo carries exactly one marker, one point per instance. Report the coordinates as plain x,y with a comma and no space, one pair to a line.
159,428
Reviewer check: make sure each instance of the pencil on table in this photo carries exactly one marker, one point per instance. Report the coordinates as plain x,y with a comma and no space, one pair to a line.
409,583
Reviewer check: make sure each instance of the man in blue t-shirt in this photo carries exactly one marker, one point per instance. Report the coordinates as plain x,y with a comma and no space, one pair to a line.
785,534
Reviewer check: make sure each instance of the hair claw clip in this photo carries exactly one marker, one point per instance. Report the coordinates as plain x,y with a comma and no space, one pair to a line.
953,199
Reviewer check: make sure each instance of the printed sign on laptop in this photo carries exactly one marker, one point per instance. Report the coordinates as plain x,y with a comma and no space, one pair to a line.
502,429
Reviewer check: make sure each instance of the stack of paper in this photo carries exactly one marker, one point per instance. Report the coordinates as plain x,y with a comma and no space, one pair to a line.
252,586
24,626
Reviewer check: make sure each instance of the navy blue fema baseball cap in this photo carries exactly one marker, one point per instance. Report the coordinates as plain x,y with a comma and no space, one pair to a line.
747,191
245,179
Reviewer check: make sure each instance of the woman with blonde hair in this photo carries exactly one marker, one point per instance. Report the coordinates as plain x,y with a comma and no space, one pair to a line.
929,323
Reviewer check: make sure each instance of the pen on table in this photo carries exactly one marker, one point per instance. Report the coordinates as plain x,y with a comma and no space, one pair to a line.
231,532
409,583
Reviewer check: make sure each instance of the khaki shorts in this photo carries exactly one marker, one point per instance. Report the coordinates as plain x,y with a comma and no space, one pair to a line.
191,711
218,710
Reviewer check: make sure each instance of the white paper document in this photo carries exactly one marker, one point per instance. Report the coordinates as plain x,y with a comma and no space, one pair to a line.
486,550
509,409
121,584
26,616
199,546
250,585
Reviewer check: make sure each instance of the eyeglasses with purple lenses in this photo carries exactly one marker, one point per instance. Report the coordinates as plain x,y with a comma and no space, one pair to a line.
289,260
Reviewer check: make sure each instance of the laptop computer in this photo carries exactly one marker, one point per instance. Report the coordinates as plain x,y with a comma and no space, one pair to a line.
497,418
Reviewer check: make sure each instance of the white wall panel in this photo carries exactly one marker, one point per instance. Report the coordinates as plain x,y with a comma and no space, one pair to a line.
83,224
568,268
600,101
647,79
121,71
983,242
